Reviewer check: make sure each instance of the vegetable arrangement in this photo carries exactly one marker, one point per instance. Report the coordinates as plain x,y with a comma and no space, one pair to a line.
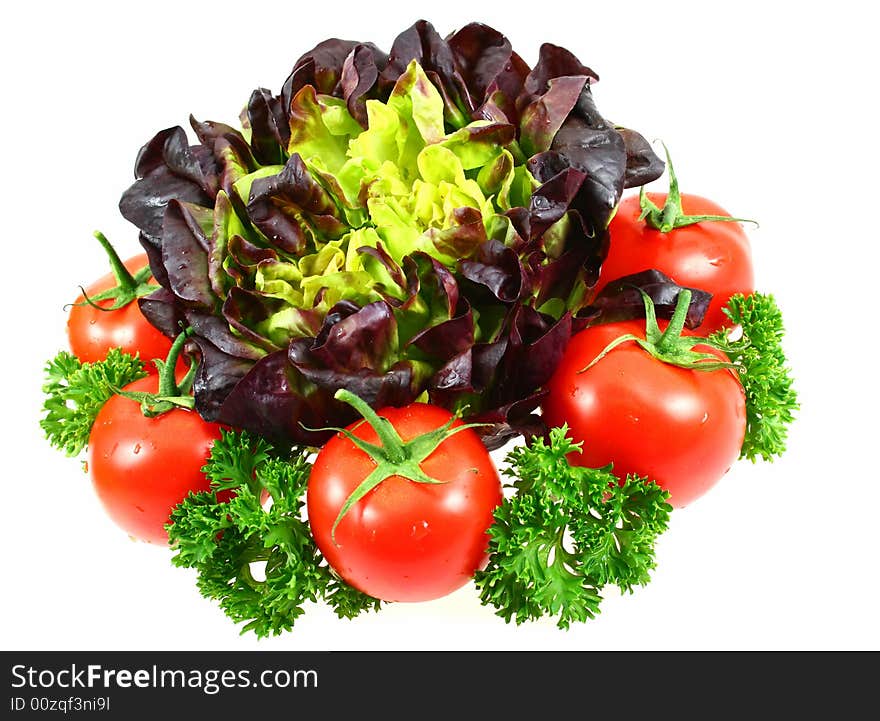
396,265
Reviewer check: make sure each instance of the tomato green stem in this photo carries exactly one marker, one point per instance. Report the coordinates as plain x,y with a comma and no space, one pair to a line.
672,215
392,455
124,279
170,393
668,346
389,439
168,385
129,287
676,323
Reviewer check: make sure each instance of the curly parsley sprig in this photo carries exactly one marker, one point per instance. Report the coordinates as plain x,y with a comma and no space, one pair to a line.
565,533
252,519
75,392
771,399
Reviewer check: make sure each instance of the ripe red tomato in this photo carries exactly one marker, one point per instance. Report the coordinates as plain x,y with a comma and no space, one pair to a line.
682,428
404,540
142,467
714,256
92,332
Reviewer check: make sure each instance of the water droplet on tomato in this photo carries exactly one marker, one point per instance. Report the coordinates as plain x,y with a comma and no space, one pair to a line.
419,530
136,449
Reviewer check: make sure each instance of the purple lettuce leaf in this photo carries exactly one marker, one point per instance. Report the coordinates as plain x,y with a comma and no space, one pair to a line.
163,310
422,43
244,309
152,246
266,400
277,201
499,269
483,57
233,155
595,148
553,62
535,346
357,338
360,73
185,257
168,168
449,338
643,165
555,196
464,237
499,383
510,421
270,129
621,299
543,117
559,114
288,395
217,375
243,258
321,67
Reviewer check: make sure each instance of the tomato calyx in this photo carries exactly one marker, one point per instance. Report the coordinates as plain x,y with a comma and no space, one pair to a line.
392,455
171,393
668,346
671,215
129,287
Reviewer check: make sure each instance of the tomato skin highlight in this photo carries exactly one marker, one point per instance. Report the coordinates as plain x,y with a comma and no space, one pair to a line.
679,427
92,332
714,256
405,541
142,467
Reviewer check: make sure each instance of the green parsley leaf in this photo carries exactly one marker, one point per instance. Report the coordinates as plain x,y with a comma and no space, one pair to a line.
770,396
565,533
75,393
248,541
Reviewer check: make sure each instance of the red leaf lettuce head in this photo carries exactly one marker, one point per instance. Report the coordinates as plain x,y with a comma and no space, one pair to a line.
422,224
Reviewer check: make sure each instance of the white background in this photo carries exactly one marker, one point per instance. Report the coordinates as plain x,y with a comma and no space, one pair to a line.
766,108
